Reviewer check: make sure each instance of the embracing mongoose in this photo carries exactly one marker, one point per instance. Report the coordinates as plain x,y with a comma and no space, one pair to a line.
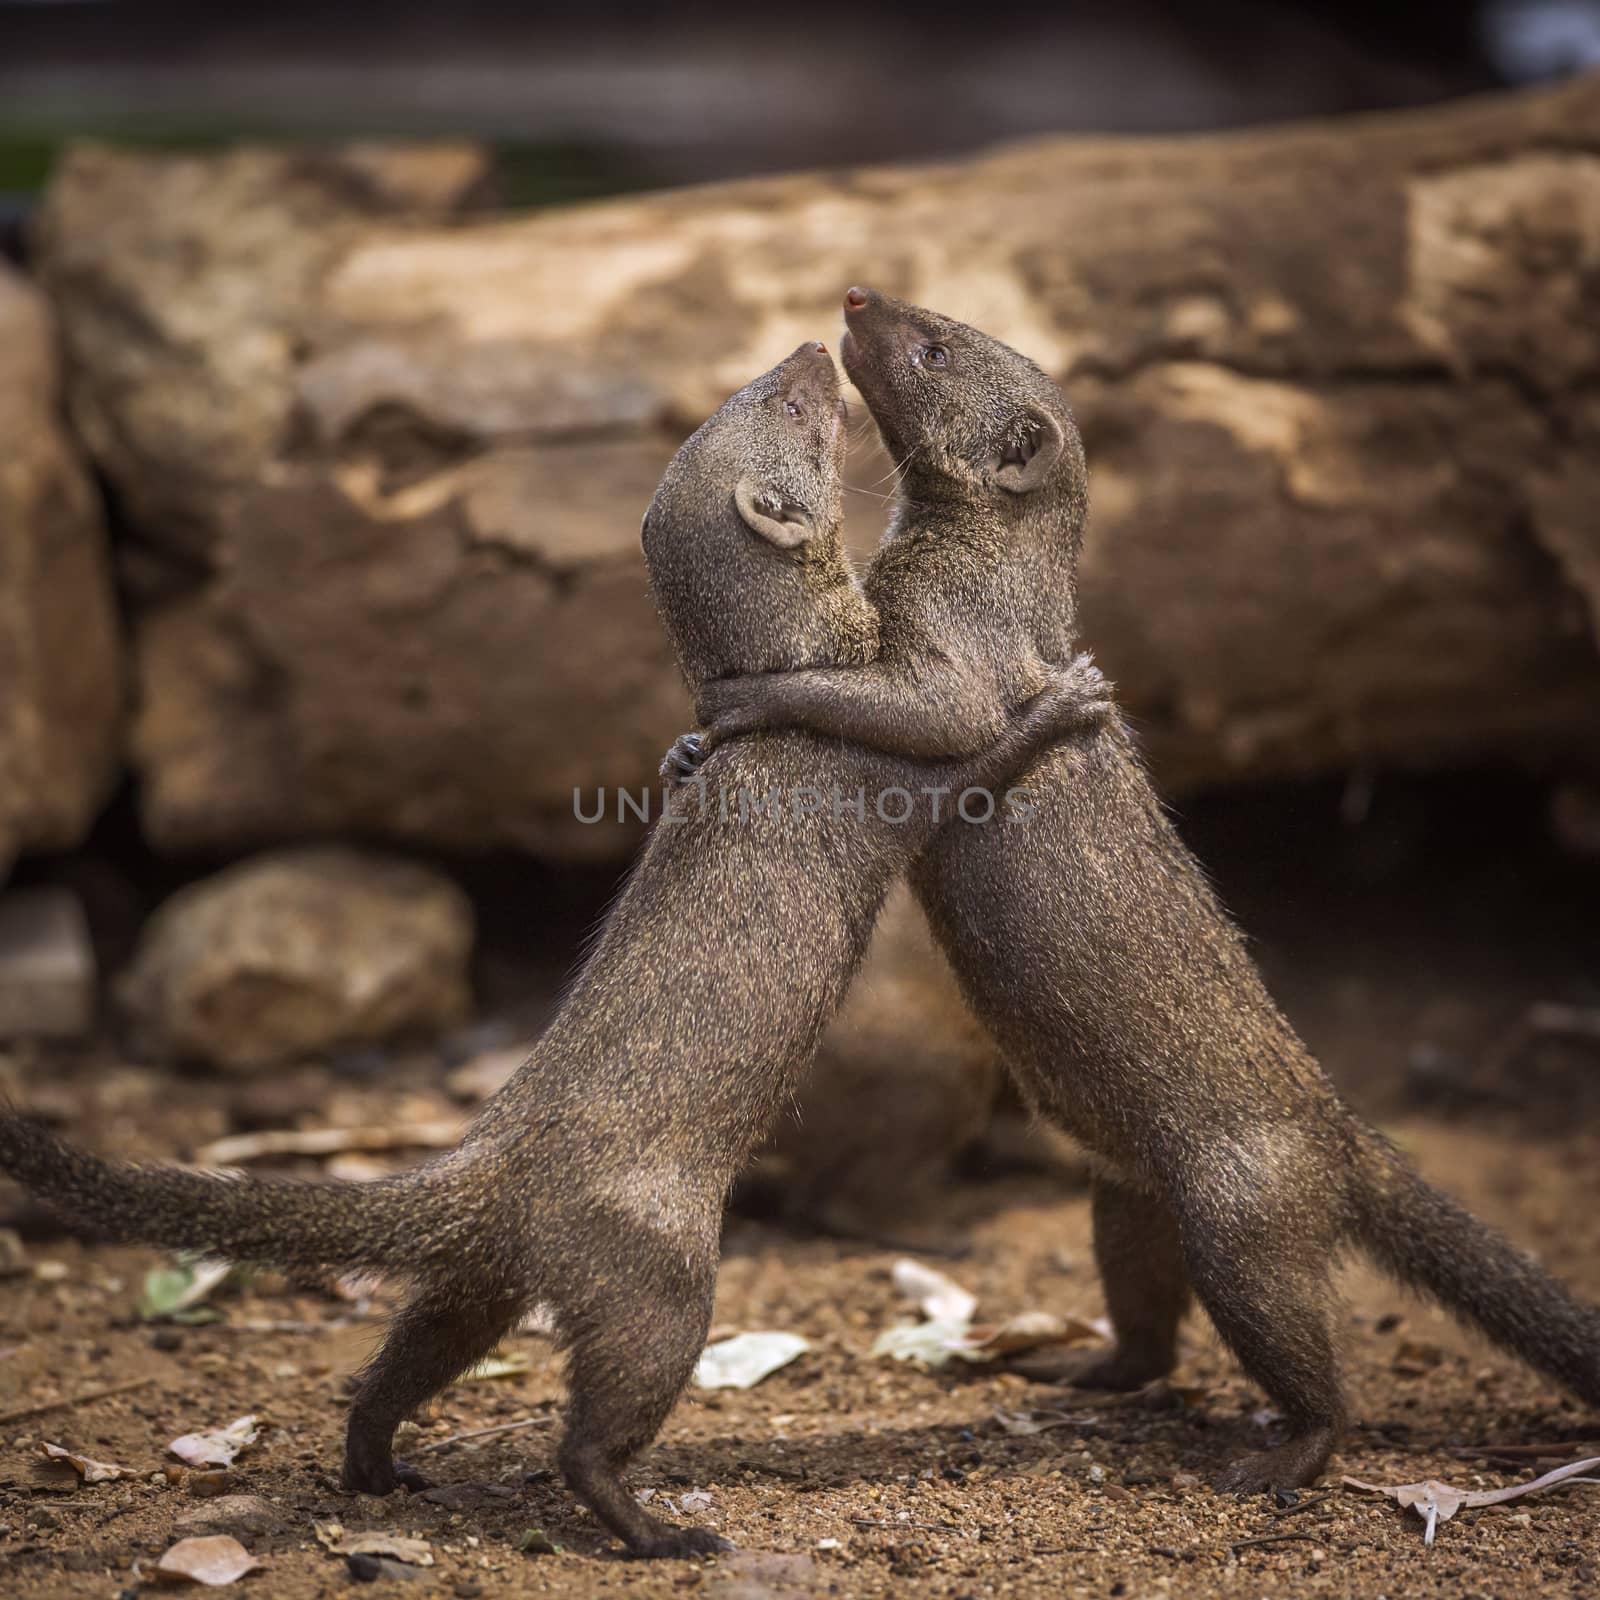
1091,944
594,1182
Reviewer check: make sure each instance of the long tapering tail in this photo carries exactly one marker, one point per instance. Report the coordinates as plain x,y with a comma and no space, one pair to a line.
1428,1241
388,1224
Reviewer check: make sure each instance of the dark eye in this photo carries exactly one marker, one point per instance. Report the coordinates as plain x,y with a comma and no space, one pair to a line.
793,408
935,355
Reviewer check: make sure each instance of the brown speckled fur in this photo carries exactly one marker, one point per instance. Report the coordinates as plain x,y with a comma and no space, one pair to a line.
594,1181
1092,946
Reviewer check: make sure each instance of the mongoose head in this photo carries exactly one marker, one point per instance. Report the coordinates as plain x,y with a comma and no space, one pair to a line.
966,418
742,538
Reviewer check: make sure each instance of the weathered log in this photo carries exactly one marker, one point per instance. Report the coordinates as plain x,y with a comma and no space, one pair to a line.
1338,385
61,688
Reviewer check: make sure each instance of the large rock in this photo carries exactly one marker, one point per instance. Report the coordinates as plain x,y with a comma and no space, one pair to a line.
297,952
47,967
1336,384
61,688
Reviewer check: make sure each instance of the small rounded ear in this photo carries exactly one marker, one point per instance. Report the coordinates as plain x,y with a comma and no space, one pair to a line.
1027,452
778,521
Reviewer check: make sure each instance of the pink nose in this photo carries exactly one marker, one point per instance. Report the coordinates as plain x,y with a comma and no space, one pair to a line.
820,348
855,299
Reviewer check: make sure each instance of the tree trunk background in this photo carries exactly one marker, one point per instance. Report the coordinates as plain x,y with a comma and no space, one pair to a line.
381,458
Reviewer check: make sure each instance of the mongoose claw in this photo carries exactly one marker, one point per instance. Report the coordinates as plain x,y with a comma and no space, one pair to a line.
683,760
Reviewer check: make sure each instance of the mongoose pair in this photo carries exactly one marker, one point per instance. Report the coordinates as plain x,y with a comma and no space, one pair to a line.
1091,945
594,1182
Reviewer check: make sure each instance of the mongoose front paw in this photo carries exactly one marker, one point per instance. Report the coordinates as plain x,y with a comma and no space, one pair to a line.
683,760
1088,688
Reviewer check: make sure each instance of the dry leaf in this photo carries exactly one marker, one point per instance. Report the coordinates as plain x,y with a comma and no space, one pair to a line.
1416,1358
744,1360
178,1291
414,1552
939,1298
90,1471
239,1147
510,1365
1437,1502
934,1344
1023,1423
214,1560
1030,1330
217,1447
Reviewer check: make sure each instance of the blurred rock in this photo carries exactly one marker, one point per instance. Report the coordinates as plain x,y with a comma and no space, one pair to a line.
485,1074
61,688
390,571
905,1079
1575,817
245,1516
47,966
297,952
386,474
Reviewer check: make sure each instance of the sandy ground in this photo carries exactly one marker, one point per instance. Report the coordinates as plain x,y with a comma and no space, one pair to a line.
839,1475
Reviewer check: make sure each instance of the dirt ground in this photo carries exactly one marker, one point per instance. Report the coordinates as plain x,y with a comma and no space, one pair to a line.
866,1477
1403,950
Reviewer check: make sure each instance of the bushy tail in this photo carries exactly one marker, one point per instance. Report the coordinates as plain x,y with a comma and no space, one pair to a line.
1428,1241
391,1224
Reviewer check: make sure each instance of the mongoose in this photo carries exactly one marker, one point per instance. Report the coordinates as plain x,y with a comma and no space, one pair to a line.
1091,944
594,1182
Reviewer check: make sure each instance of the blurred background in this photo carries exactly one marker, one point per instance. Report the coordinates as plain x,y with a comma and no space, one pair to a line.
343,346
624,97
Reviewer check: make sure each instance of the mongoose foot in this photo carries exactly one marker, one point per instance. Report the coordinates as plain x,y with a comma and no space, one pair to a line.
1291,1466
408,1477
1113,1369
680,1544
382,1477
682,761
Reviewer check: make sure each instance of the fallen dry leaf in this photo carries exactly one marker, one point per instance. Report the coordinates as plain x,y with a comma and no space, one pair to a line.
217,1447
228,1152
1416,1358
89,1470
414,1552
177,1292
1022,1423
214,1560
744,1360
934,1344
939,1298
1031,1330
512,1364
1437,1502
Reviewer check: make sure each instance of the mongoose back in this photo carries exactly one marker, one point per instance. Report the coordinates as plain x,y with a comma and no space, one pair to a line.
1092,946
594,1182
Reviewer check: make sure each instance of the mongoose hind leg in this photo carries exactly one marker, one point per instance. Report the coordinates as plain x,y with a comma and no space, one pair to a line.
627,1370
1146,1282
433,1340
1262,1276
